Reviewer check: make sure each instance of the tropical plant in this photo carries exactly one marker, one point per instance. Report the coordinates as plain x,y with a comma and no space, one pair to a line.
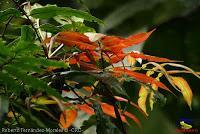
58,66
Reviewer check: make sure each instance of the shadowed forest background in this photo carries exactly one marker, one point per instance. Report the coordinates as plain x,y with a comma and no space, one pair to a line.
177,37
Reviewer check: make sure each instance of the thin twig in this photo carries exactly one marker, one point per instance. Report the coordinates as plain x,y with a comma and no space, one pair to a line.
80,98
6,26
24,13
16,118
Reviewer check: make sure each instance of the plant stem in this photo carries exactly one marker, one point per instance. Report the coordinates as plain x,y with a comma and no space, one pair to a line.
31,23
6,26
16,118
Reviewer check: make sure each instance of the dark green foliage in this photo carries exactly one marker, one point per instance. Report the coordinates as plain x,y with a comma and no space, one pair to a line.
52,11
4,15
20,60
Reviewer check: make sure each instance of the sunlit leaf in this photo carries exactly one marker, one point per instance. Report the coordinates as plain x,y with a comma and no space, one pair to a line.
43,101
137,38
143,94
140,77
52,11
185,89
151,96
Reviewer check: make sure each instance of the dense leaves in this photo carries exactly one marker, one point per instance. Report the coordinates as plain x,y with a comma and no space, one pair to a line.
59,67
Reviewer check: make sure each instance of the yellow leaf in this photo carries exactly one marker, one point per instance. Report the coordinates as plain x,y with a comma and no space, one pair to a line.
151,97
185,89
67,117
143,94
43,101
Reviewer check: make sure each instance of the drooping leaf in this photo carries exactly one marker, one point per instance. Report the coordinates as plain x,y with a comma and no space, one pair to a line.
52,11
140,77
143,94
185,89
67,118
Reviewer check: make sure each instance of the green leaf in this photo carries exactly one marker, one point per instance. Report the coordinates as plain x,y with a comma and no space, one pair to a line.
50,28
34,83
52,11
27,34
4,50
10,83
26,42
4,15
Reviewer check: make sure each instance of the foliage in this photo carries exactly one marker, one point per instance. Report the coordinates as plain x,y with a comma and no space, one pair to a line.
58,66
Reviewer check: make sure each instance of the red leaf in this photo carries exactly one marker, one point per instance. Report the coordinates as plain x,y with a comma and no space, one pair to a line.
117,44
150,58
85,108
135,119
80,45
69,35
140,77
137,38
117,57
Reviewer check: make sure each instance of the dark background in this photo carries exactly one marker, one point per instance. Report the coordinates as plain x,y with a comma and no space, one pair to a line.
177,37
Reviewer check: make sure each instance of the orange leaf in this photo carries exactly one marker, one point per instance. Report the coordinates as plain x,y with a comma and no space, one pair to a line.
150,58
117,44
137,38
109,110
109,41
140,77
67,117
69,35
80,45
185,89
85,108
117,57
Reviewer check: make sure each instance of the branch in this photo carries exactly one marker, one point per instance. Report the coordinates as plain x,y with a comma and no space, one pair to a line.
24,13
80,98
